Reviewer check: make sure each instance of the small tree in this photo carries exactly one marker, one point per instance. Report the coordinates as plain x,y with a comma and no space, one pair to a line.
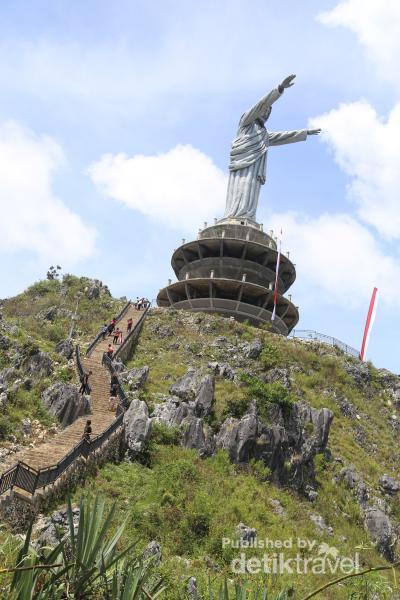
53,272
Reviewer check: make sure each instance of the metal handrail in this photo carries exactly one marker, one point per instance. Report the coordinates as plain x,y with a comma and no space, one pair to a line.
309,334
81,370
133,331
31,479
100,334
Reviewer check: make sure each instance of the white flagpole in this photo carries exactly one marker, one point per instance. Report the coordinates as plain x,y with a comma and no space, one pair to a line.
278,260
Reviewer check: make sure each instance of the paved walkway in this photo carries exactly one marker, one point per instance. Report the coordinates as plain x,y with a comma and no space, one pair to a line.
49,453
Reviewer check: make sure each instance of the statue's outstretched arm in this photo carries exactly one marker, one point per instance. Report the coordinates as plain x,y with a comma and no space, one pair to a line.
277,138
260,109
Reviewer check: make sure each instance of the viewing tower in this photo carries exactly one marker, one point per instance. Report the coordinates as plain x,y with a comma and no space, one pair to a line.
230,269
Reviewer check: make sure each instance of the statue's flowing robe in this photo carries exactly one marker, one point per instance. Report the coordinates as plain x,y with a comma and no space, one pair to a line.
248,159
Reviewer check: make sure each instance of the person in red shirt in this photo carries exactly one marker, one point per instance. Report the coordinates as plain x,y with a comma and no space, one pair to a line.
110,351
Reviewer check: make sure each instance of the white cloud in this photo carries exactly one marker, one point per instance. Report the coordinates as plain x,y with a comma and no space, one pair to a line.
181,188
367,148
377,25
338,260
32,217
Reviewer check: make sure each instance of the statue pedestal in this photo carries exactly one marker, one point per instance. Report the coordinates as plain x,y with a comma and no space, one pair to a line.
230,270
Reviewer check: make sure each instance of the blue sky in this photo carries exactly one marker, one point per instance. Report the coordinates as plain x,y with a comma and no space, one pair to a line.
115,125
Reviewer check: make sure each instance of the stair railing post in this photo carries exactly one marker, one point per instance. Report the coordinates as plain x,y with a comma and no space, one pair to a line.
35,482
14,479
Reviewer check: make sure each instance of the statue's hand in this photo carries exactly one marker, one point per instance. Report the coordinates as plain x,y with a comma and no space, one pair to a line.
286,83
313,131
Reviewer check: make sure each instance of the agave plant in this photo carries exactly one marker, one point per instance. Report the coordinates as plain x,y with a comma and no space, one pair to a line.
85,564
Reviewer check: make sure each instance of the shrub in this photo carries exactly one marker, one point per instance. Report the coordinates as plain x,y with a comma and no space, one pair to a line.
199,524
266,394
169,436
260,471
236,407
309,427
270,356
29,348
5,427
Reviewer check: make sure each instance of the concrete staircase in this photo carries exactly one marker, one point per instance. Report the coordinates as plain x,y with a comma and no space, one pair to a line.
57,446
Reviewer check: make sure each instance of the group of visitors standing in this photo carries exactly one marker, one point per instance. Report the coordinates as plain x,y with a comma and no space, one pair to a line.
142,303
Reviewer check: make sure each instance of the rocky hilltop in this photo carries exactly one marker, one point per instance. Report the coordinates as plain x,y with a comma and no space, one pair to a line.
232,432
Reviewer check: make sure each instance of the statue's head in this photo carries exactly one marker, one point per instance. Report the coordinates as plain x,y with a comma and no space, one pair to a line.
266,115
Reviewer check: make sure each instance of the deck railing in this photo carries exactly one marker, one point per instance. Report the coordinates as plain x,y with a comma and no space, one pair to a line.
310,335
29,479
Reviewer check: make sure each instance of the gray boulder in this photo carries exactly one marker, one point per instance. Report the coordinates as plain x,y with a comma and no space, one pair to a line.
96,289
354,482
187,386
246,534
26,425
171,412
349,476
153,552
319,522
289,441
4,342
162,331
135,378
49,531
380,529
191,589
64,401
280,375
195,436
196,387
238,437
204,401
321,420
47,314
8,374
39,365
391,384
389,485
3,399
359,372
65,348
223,370
137,427
253,350
347,408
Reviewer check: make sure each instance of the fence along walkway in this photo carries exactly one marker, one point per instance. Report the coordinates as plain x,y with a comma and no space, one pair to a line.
310,335
35,467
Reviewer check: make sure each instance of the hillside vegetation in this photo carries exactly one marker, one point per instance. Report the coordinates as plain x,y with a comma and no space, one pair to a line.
335,483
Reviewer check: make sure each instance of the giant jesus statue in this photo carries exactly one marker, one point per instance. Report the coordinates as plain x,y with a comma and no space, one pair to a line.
248,161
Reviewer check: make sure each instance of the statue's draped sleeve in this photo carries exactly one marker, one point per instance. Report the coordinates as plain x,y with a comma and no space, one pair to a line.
259,109
277,138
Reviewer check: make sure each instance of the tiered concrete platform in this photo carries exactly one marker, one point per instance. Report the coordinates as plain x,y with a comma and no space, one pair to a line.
230,270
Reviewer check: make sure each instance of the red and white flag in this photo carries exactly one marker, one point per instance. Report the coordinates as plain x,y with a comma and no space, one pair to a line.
369,323
278,260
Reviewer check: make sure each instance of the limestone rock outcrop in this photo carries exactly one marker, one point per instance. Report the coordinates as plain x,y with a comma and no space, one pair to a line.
64,402
137,427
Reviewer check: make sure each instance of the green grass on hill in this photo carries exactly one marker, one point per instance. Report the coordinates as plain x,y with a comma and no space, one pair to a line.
188,504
